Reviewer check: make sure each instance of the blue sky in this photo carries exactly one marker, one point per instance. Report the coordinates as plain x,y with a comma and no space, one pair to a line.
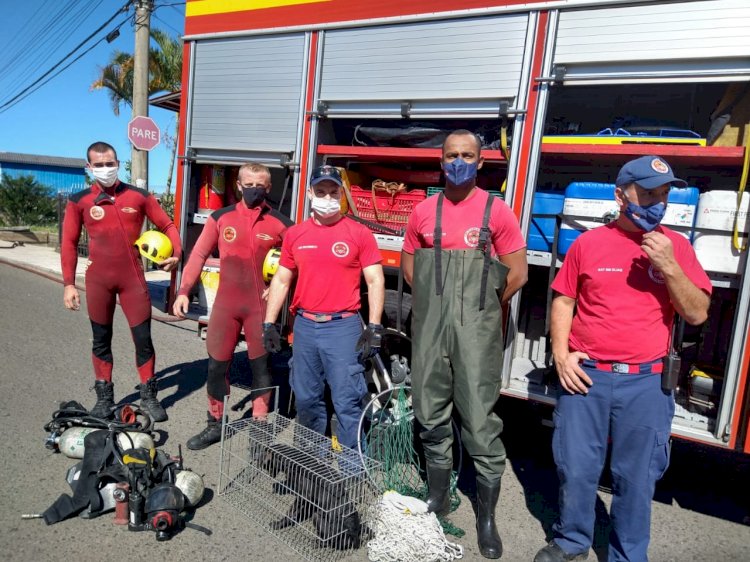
64,116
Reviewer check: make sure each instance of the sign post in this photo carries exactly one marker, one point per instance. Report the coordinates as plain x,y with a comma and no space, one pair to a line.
143,133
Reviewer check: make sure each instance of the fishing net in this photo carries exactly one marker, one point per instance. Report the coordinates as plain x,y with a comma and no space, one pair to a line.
387,427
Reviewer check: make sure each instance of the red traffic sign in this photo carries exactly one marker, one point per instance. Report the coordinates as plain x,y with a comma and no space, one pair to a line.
143,133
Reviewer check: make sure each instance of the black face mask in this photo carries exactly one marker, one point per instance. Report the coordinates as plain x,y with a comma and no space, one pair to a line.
253,196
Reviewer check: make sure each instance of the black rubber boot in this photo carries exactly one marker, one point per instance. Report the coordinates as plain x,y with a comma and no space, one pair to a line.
488,538
149,403
211,434
105,400
439,485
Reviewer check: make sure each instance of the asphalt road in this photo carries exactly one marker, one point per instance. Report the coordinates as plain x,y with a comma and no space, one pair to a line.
697,515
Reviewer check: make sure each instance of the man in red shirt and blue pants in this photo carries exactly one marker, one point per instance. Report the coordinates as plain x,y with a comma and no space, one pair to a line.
616,296
328,253
113,214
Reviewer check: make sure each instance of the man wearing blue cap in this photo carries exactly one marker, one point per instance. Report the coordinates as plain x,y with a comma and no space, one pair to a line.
616,296
328,254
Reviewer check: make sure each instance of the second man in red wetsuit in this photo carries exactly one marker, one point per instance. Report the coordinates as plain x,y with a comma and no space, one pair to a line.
243,233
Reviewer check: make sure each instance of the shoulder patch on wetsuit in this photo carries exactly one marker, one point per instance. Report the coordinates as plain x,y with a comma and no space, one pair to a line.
281,217
221,212
76,197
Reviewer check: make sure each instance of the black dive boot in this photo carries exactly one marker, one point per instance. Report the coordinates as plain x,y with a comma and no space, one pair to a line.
488,538
439,486
105,400
210,435
149,403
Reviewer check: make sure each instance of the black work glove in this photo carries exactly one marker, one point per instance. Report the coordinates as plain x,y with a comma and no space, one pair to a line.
370,340
271,338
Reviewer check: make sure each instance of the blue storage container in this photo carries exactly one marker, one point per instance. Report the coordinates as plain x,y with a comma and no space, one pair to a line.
583,200
542,228
597,200
682,208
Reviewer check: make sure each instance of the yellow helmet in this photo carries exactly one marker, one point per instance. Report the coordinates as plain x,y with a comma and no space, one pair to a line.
271,264
154,245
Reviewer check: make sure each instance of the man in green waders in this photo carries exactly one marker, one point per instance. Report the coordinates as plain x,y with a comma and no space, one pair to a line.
464,256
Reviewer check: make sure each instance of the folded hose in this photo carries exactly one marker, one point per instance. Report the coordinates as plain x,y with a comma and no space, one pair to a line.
73,414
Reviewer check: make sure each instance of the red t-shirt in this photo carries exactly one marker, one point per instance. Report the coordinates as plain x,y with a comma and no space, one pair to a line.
328,261
460,224
623,311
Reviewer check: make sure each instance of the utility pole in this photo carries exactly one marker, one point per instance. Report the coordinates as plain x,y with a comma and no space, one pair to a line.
139,158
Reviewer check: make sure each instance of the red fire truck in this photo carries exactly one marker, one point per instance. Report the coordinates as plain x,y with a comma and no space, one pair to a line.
562,93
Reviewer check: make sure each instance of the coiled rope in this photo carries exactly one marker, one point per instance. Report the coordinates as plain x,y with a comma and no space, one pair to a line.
404,531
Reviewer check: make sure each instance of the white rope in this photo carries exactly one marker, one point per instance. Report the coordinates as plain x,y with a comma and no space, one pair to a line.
405,532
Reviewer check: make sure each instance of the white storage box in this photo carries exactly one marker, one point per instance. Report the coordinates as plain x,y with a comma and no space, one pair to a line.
713,231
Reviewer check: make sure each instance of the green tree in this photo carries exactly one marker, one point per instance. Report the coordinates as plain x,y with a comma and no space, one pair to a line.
26,202
165,75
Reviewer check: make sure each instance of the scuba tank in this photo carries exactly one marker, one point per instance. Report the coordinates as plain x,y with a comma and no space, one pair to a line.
70,443
191,485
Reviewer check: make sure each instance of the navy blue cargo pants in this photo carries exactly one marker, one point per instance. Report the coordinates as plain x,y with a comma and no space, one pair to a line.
323,352
633,410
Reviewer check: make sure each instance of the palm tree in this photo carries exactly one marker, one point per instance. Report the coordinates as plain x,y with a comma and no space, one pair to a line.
165,75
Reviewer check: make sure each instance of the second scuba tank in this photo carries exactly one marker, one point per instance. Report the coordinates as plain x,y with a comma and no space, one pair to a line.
191,485
70,443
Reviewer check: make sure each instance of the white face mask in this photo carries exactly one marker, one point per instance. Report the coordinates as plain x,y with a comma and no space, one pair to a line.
324,207
105,176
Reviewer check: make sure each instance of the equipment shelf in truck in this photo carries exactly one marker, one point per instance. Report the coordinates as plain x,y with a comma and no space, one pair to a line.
395,153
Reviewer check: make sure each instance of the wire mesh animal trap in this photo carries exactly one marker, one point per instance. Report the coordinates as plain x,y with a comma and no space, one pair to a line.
310,495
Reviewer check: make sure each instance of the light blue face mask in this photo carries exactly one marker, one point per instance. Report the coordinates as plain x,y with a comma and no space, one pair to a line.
459,172
646,218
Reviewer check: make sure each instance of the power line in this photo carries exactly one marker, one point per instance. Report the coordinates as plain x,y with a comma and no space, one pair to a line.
66,27
22,30
10,102
26,49
179,33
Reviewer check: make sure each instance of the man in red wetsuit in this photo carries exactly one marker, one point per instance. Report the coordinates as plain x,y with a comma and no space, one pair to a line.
244,233
113,214
328,254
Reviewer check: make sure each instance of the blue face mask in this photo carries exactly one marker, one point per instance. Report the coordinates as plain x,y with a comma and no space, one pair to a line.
459,172
646,218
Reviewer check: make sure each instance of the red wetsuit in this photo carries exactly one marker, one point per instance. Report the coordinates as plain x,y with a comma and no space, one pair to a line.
244,236
113,218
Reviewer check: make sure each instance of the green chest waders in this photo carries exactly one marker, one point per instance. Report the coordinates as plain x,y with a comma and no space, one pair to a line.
457,349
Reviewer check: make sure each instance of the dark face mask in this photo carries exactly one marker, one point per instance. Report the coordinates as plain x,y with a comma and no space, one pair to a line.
253,196
647,217
460,172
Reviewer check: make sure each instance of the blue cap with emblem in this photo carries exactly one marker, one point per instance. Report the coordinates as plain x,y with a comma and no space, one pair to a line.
649,172
326,173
